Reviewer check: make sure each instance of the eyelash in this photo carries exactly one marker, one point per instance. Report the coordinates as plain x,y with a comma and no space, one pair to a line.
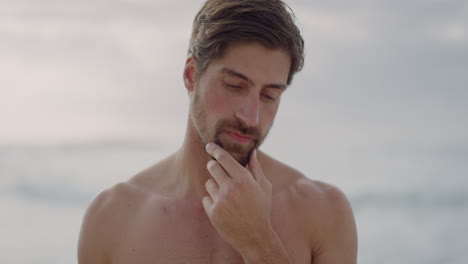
232,86
238,87
269,97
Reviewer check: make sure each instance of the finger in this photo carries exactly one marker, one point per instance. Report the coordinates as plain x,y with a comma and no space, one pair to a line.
230,165
253,175
212,188
255,168
207,204
217,172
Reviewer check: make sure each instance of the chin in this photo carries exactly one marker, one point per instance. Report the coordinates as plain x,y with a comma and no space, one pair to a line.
239,152
243,159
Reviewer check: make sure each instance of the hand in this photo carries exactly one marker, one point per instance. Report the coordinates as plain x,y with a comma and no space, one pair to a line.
239,201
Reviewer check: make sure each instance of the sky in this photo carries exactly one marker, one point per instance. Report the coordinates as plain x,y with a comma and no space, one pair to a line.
379,75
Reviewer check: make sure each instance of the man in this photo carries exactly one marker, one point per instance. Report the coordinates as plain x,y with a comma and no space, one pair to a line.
218,199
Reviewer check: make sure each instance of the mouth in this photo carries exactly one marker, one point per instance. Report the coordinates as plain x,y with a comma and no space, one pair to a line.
238,137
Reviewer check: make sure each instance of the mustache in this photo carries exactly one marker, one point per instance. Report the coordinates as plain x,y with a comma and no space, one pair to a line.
238,125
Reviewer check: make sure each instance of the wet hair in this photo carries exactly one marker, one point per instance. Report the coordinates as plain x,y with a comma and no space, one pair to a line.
221,22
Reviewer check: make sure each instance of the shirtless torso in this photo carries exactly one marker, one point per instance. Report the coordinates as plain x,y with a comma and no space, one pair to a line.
150,219
218,199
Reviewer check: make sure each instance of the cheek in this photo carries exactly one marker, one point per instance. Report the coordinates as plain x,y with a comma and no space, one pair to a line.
269,114
215,102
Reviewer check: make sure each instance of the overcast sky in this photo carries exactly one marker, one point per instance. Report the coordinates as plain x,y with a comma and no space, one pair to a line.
376,72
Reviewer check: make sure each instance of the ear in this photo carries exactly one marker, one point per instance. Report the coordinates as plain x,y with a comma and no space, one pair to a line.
189,74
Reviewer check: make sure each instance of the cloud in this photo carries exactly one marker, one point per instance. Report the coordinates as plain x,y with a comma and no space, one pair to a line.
83,69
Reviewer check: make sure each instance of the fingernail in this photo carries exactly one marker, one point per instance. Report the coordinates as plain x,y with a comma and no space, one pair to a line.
209,147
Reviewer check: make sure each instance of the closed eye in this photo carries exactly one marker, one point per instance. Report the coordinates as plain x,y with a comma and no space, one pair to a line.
268,97
232,85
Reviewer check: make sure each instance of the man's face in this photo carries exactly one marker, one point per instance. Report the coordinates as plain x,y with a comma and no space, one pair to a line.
236,99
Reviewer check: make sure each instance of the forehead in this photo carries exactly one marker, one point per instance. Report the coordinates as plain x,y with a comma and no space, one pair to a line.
254,60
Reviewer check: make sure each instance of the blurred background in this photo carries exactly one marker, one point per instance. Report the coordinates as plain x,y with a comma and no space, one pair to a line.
91,93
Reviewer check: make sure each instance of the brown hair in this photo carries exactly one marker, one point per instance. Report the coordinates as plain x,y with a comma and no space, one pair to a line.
220,22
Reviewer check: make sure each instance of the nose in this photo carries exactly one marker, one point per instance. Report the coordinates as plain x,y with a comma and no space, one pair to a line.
248,110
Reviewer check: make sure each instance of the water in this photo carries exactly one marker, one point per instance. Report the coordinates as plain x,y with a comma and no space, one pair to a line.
409,208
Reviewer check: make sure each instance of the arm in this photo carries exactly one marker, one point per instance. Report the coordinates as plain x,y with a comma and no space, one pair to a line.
339,237
92,234
269,251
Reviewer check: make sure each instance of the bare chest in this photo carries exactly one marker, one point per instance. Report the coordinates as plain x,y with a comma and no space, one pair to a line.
178,233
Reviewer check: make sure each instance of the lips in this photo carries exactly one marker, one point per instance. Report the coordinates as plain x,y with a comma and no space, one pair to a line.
238,137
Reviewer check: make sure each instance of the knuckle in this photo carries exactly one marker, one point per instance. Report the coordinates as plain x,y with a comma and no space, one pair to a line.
212,165
208,183
214,210
206,200
229,190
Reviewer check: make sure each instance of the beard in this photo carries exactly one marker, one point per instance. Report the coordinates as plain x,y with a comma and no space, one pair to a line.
240,152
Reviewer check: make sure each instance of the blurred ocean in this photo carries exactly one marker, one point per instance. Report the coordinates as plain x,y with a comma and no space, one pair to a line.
44,191
380,110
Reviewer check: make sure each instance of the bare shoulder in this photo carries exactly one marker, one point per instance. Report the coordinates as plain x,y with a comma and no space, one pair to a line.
110,213
303,189
323,197
100,224
321,208
331,224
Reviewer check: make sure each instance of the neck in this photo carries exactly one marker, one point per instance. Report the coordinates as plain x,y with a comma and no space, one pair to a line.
190,163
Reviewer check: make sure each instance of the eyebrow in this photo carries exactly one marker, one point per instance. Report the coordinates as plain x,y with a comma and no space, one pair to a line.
242,76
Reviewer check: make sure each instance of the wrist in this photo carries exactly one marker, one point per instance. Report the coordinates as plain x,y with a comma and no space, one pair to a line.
268,248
